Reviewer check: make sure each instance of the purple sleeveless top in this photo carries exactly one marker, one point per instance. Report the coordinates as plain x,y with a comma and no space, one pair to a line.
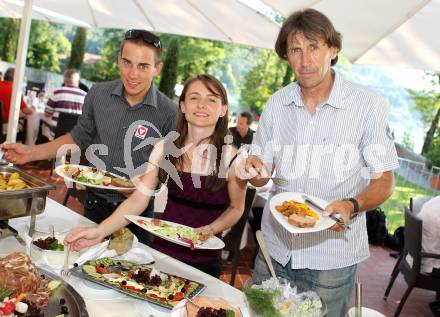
193,207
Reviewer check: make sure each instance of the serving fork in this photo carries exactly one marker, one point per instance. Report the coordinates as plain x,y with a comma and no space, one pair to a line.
65,272
336,217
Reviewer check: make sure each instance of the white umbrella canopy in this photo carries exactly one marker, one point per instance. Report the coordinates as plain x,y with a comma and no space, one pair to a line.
381,32
223,20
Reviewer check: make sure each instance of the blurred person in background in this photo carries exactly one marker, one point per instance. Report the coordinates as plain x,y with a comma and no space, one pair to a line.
69,98
242,133
6,95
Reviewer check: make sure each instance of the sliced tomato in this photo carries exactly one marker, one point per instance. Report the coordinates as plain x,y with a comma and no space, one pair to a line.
178,296
102,270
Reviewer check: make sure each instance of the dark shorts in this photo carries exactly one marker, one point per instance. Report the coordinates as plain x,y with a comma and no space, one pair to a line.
97,209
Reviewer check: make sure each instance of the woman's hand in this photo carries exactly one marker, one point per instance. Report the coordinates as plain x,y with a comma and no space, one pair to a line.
80,238
205,232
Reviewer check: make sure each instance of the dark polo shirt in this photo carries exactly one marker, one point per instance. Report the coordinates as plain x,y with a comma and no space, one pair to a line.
238,140
108,119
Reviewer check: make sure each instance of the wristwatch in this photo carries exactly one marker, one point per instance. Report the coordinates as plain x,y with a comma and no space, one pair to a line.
356,210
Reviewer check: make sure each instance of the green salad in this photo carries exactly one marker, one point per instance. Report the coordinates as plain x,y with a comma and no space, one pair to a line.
173,231
277,299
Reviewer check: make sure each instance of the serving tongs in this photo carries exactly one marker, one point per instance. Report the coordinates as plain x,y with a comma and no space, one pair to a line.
266,255
336,216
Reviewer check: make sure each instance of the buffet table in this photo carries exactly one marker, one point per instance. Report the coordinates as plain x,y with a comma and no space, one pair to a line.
97,304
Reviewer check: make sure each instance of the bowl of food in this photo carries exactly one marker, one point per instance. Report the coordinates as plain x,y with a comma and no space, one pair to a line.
50,250
277,298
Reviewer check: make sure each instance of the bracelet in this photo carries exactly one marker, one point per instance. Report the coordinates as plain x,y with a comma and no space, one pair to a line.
356,209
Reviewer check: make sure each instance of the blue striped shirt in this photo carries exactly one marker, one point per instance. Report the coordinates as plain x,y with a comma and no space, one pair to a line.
326,155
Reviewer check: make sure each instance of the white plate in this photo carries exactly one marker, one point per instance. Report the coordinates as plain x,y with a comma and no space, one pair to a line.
180,310
60,171
93,291
322,224
213,243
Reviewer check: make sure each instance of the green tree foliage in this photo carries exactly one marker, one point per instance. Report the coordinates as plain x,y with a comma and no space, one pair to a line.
169,72
262,81
407,140
427,102
9,30
197,56
107,67
77,51
46,44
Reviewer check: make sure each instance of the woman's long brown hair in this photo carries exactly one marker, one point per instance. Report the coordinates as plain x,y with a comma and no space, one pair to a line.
216,139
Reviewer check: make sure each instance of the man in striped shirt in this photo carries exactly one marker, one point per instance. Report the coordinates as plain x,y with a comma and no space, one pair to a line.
327,137
69,98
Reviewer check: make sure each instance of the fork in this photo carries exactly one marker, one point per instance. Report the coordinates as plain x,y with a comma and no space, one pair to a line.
65,272
336,217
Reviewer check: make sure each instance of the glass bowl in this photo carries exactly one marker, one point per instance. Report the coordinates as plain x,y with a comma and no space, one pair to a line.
54,258
284,298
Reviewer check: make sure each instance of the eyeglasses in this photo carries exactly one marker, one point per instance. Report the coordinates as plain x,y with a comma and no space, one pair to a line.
148,37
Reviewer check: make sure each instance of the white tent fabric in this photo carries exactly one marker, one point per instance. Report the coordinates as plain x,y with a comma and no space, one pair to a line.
223,20
382,32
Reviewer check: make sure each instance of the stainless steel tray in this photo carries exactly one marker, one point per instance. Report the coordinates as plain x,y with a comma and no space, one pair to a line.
77,271
74,302
23,202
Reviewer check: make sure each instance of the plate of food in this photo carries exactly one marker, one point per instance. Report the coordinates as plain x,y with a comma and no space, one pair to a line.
206,306
92,177
295,216
139,281
47,249
176,233
26,290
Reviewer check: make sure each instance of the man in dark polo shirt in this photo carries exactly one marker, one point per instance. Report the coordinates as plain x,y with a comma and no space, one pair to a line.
242,133
117,117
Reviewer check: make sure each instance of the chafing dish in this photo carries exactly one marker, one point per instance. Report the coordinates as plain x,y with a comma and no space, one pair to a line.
23,202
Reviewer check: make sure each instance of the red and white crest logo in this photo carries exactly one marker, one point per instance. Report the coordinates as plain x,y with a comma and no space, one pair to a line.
141,132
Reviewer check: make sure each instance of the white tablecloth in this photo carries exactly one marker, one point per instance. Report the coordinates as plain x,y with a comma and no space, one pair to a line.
124,306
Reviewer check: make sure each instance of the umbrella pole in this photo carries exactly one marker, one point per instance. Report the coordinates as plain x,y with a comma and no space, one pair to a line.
20,66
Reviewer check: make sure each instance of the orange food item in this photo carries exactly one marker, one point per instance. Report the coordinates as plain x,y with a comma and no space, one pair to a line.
298,214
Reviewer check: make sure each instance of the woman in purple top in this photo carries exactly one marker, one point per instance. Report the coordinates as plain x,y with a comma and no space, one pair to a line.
207,194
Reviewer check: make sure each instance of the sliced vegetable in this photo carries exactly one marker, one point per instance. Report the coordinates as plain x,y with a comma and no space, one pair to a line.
54,284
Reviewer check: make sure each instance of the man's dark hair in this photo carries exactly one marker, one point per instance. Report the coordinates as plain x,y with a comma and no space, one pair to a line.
9,74
139,39
247,115
314,25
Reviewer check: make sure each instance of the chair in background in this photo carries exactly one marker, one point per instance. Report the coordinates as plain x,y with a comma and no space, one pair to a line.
412,273
233,238
416,203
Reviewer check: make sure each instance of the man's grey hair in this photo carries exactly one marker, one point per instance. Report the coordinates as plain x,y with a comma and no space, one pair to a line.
71,76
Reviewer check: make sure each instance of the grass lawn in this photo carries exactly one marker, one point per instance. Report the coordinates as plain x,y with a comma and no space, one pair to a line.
394,207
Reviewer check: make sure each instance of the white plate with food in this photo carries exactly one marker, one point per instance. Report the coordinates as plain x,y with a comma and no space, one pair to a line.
91,177
207,306
176,233
295,216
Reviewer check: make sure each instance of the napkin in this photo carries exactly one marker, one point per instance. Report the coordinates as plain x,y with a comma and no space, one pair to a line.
136,254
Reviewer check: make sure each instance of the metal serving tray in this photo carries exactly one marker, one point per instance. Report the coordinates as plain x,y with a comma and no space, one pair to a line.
73,300
77,271
23,202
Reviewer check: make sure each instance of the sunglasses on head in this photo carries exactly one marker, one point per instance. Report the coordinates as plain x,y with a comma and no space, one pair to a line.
148,37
